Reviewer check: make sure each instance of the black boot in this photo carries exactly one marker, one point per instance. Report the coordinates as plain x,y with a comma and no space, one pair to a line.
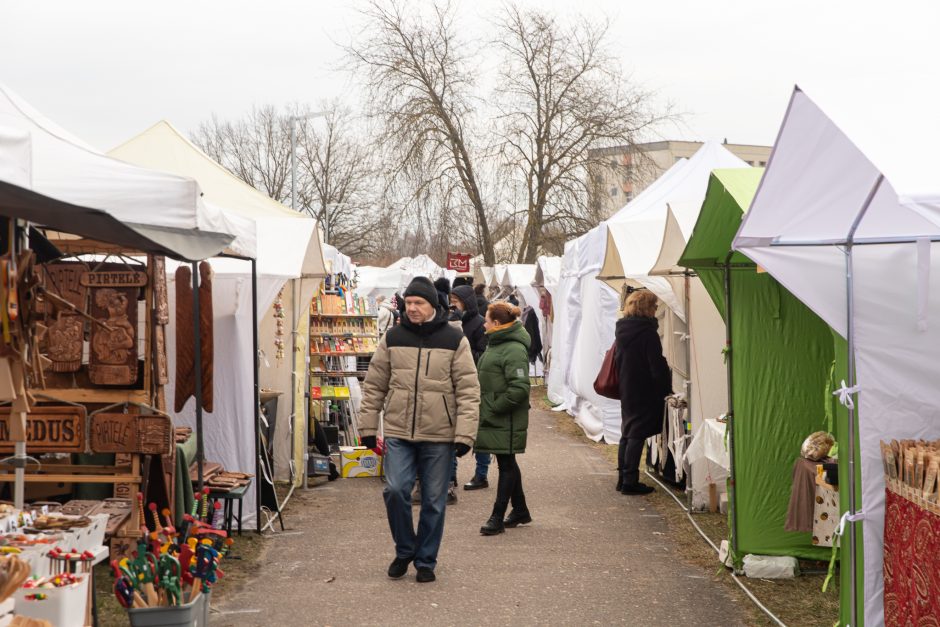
517,517
477,483
493,526
619,480
636,488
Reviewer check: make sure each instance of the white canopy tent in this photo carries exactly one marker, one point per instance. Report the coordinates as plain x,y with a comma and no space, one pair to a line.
643,248
518,278
162,207
482,274
593,306
286,246
375,281
847,218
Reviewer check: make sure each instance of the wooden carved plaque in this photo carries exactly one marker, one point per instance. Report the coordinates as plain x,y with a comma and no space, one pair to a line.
63,343
113,433
185,339
206,333
160,302
114,278
130,433
48,430
113,355
163,370
154,435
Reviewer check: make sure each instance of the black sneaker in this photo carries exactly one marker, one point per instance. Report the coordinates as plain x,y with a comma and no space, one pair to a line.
493,526
477,483
451,495
425,575
517,518
398,567
636,488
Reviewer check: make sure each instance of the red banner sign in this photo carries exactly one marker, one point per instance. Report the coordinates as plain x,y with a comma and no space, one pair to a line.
459,262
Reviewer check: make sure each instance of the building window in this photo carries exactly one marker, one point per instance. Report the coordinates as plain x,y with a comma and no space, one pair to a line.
762,163
613,192
629,196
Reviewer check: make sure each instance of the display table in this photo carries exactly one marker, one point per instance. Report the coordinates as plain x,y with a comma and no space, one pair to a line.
709,444
228,506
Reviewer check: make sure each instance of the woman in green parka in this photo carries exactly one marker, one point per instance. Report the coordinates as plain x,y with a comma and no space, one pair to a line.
504,411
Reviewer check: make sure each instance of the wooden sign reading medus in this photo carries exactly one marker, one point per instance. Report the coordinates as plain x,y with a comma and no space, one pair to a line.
130,433
48,430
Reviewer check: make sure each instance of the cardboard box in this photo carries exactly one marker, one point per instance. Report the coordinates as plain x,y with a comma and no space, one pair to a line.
360,462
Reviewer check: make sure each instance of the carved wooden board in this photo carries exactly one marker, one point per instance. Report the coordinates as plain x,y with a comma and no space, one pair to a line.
114,278
162,369
66,334
48,430
206,332
130,433
113,355
161,303
185,339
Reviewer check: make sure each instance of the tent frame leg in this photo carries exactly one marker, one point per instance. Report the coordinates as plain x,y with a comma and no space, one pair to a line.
729,353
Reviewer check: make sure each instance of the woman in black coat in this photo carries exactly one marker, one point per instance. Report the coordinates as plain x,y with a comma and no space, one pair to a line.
645,382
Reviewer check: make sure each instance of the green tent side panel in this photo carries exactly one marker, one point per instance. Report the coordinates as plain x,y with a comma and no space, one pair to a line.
782,354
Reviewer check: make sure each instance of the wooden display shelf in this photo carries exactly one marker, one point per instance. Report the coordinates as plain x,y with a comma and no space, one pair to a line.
329,398
76,478
375,335
101,395
342,315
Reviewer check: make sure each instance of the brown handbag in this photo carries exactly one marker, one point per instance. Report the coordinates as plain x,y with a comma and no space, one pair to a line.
607,382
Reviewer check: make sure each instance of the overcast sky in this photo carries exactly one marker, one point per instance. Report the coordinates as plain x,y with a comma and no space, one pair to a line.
107,69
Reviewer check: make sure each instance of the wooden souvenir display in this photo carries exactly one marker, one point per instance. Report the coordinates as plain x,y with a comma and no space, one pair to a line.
206,331
113,355
185,339
126,490
53,429
160,298
161,309
114,278
67,330
130,433
118,510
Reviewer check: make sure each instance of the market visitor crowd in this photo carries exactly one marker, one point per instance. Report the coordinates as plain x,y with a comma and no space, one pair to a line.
451,375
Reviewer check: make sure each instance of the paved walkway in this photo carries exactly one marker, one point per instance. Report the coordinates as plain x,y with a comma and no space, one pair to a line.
591,556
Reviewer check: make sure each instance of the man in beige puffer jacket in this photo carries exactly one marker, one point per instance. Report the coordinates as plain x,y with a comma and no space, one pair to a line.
423,383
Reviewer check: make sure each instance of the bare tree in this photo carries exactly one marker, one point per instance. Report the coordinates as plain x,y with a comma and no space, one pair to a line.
335,173
420,90
559,95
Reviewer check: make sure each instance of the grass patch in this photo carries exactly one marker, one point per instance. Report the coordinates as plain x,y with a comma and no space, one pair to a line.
798,601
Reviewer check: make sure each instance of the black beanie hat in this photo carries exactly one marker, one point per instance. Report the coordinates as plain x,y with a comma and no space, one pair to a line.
422,287
442,285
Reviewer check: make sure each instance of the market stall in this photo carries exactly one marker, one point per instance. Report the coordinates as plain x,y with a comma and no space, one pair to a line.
847,219
780,359
287,247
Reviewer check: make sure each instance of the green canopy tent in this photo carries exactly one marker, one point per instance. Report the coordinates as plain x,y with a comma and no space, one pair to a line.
780,360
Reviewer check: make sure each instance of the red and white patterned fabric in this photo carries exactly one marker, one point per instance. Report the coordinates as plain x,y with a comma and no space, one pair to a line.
911,563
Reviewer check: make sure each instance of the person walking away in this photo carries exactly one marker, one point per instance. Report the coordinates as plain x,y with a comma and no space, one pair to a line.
423,384
645,382
504,411
386,315
464,300
480,290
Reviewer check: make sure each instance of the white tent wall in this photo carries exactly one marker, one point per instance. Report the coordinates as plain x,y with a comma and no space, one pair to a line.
556,383
229,431
374,281
818,184
275,375
16,157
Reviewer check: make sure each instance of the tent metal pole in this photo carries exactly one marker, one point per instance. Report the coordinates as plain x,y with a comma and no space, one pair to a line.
688,369
852,418
256,397
729,354
197,375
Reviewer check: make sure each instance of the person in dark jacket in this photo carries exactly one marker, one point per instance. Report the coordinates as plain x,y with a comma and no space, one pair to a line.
480,290
464,301
504,412
442,285
645,382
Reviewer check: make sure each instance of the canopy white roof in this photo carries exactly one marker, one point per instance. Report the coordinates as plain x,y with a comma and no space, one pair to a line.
163,207
823,187
284,242
518,274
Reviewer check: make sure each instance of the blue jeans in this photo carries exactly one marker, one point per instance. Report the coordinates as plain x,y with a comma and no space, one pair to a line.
403,460
483,464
